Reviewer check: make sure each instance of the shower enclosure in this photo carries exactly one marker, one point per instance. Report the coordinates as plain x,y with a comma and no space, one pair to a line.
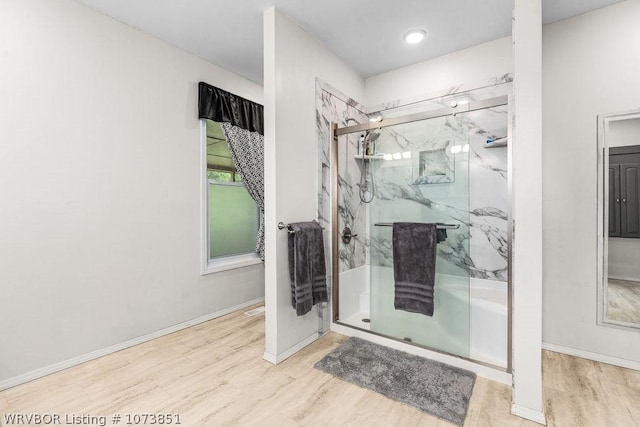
426,163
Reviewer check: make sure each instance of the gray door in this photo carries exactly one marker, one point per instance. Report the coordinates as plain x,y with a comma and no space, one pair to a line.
614,201
630,207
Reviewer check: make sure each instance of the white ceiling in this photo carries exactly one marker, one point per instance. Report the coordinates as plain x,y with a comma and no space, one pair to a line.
367,34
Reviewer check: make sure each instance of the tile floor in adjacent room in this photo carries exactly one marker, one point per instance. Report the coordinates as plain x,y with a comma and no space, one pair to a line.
624,301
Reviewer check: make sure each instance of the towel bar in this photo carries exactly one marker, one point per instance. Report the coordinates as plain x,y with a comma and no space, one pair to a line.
282,225
440,226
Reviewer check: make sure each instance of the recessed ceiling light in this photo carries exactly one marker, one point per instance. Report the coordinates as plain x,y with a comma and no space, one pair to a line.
414,36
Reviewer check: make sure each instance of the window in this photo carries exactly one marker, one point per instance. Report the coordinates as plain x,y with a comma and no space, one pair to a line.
232,217
233,220
220,176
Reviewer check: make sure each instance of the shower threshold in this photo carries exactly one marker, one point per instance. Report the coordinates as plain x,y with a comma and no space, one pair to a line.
358,320
367,328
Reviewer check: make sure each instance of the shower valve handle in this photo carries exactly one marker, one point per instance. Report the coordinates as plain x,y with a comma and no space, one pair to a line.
347,236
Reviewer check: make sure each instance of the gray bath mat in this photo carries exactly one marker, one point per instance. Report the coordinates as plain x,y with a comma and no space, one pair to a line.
436,388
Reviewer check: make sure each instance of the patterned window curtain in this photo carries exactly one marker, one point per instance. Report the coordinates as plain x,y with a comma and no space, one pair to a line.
242,122
247,150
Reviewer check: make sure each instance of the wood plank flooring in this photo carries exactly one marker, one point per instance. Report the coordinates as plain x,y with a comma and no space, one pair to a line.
213,374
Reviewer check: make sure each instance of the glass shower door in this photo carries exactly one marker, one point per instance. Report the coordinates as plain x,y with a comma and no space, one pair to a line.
423,178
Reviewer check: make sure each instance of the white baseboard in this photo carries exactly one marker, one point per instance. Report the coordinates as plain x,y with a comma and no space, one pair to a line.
47,370
529,414
616,361
270,358
279,358
481,370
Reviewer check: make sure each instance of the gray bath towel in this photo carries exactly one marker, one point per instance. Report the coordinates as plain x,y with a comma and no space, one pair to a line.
414,266
307,270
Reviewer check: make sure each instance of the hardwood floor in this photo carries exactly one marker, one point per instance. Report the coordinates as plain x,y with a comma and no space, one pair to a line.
214,374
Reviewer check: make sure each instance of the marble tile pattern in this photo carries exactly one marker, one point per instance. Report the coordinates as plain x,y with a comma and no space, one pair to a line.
434,164
471,192
334,107
398,198
488,195
473,87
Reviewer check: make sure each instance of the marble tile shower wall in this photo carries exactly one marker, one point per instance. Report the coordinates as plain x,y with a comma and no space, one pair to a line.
465,188
426,182
334,107
469,188
488,195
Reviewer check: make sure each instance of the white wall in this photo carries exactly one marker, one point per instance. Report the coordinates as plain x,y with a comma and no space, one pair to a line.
99,186
526,167
473,65
624,255
590,67
623,133
293,61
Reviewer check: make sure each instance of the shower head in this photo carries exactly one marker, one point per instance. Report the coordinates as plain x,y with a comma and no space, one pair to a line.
371,135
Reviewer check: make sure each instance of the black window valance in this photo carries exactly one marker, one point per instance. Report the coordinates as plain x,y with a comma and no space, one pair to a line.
222,106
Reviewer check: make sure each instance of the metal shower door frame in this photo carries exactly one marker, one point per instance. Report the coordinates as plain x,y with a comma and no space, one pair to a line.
442,112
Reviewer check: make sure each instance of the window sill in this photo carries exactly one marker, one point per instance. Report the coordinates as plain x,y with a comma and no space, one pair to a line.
230,263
